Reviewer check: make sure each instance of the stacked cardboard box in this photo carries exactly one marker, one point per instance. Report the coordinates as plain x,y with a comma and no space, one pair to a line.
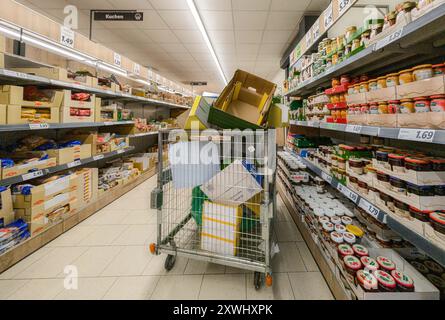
73,110
6,210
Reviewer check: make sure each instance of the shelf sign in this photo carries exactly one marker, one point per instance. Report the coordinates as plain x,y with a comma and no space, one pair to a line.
66,37
38,126
117,59
98,157
32,175
417,135
127,15
389,39
328,16
308,40
74,164
120,151
343,5
347,193
353,128
137,69
316,30
369,208
326,177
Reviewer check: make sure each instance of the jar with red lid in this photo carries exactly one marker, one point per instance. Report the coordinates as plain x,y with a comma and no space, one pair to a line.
363,78
397,162
367,281
422,104
419,214
437,220
437,103
360,251
438,70
352,264
385,281
438,164
344,250
403,281
369,264
385,263
373,108
394,106
364,108
417,164
345,79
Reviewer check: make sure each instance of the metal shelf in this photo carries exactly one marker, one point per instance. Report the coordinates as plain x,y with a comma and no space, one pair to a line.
51,170
416,239
48,126
23,79
387,51
144,134
383,132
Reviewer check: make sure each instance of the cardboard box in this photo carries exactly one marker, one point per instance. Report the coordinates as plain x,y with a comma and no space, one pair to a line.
360,119
87,138
69,102
113,86
198,115
220,228
14,114
3,117
382,120
427,120
422,88
25,168
247,97
234,185
108,114
54,73
385,94
356,98
66,117
14,95
97,108
6,209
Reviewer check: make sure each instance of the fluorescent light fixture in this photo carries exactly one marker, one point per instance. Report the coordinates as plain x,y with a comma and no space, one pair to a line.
9,30
201,28
113,69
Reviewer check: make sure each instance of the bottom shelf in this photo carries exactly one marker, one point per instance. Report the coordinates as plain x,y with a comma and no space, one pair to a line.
17,253
337,289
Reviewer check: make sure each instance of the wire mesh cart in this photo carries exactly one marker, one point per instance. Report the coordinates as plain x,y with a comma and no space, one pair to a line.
215,198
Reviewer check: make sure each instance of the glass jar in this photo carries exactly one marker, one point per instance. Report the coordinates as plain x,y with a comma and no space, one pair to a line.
335,82
373,85
356,166
422,104
381,82
437,103
383,108
438,70
383,179
355,45
423,72
392,80
388,201
423,216
350,32
407,106
405,76
397,162
364,108
421,191
363,187
345,79
402,209
373,108
417,164
364,87
341,163
351,89
394,106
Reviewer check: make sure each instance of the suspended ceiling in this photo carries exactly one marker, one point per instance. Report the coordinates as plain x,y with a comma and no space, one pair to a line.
246,34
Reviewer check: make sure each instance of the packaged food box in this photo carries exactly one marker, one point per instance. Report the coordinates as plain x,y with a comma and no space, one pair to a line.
78,100
379,95
382,120
6,208
27,167
54,73
30,96
3,118
421,88
425,120
97,108
75,114
70,154
23,115
111,86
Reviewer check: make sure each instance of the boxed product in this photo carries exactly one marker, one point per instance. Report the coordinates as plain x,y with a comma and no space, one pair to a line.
6,210
17,114
30,96
88,185
54,73
86,138
3,118
97,108
78,100
198,116
13,234
220,231
142,162
36,163
421,88
246,97
234,185
106,84
75,114
70,154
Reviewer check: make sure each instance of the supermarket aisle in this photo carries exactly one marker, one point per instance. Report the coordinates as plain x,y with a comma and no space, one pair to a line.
110,252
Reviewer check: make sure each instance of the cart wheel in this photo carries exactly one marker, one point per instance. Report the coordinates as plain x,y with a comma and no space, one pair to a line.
269,280
257,280
169,262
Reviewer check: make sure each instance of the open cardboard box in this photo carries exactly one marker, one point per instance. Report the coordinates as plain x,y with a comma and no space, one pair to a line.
246,97
426,120
69,102
379,95
67,155
25,168
14,114
421,88
356,98
87,138
426,178
382,120
14,95
113,86
359,119
66,117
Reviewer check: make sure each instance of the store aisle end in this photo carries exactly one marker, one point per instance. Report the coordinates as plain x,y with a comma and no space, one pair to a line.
109,253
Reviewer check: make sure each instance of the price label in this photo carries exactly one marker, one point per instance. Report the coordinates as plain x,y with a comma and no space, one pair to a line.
328,16
32,175
38,126
343,5
369,208
120,151
108,123
312,124
10,73
417,135
137,69
389,39
308,40
98,157
316,30
347,193
117,59
74,164
66,37
326,177
353,128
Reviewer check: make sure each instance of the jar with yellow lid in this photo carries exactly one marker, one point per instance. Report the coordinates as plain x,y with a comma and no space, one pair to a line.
381,82
341,41
383,107
357,88
407,106
356,231
364,87
392,80
406,76
350,32
373,85
355,44
423,72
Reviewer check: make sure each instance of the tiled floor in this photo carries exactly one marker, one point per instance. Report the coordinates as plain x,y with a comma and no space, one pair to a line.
109,253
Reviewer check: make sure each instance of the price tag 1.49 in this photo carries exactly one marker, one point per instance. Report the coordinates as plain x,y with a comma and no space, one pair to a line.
347,193
67,37
369,208
417,135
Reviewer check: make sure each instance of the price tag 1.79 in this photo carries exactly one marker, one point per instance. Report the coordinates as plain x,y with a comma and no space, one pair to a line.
369,208
417,135
347,193
32,175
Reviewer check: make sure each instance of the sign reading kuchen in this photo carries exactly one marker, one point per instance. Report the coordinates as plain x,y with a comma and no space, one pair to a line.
118,16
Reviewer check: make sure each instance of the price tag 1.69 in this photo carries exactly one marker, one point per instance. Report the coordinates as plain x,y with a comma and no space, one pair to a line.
369,208
417,135
347,193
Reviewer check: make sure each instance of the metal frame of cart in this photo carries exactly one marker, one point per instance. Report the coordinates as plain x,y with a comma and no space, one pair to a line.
189,222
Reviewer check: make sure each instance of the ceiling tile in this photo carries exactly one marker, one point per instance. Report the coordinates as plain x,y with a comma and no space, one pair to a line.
103,35
225,48
133,35
152,20
277,36
250,20
281,20
254,5
217,20
47,4
214,5
271,48
181,56
131,4
162,36
178,19
289,5
197,48
202,57
169,4
248,36
318,5
189,36
173,47
221,36
83,4
247,48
